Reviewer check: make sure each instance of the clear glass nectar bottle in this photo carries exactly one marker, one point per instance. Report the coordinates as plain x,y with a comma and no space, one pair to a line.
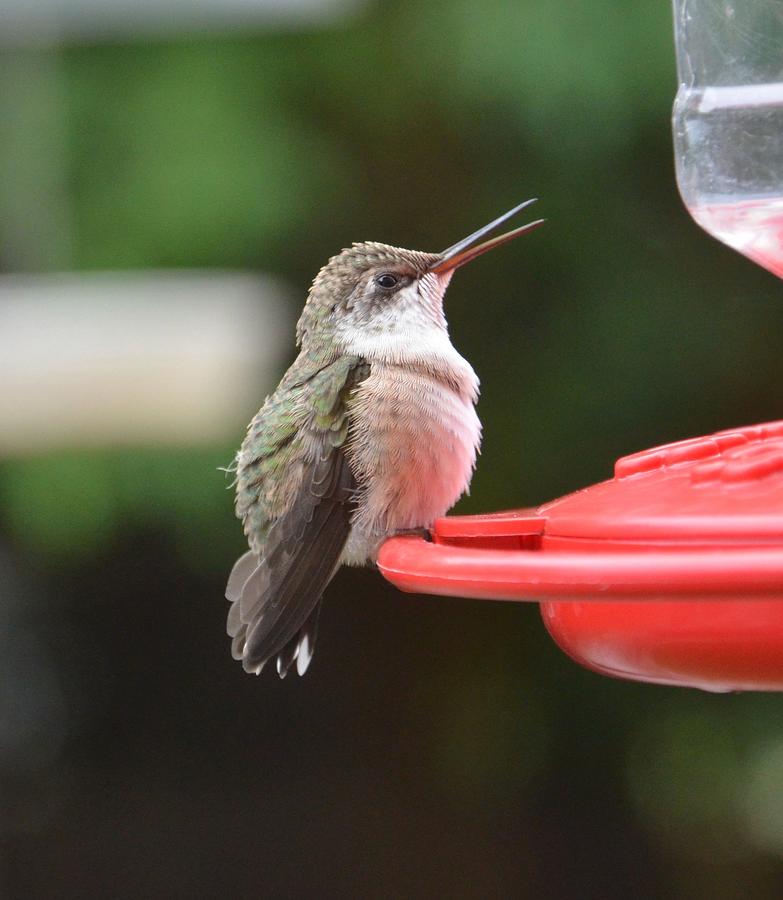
728,122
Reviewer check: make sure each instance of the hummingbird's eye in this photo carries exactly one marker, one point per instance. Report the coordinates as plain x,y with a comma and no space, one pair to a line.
387,280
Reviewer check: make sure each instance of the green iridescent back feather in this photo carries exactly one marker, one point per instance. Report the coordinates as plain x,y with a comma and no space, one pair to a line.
308,407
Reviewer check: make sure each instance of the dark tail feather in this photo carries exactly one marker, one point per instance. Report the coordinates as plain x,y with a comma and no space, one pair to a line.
275,596
300,648
243,569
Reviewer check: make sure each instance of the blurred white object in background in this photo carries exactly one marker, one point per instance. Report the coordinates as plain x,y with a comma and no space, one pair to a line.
118,359
23,21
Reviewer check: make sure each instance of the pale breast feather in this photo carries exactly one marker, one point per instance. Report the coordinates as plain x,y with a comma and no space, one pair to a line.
414,442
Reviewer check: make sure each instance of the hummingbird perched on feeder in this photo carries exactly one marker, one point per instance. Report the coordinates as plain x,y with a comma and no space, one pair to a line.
371,432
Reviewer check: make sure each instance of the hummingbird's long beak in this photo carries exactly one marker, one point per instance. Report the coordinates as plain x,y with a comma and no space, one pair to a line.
465,250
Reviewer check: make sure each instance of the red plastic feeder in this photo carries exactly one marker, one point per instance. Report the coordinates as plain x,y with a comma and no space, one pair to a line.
670,572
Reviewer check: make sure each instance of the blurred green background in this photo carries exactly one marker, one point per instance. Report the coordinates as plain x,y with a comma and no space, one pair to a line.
437,747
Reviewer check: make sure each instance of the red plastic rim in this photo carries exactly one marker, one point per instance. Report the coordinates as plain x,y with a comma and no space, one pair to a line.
413,564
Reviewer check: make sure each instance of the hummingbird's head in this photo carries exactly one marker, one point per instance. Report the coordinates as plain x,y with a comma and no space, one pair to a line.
371,296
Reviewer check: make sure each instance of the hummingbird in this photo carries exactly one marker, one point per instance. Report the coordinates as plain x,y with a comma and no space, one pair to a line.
371,432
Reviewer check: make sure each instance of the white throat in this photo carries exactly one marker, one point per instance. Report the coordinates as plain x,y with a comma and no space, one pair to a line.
412,333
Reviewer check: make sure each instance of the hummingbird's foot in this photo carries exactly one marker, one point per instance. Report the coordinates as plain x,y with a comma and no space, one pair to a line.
415,532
